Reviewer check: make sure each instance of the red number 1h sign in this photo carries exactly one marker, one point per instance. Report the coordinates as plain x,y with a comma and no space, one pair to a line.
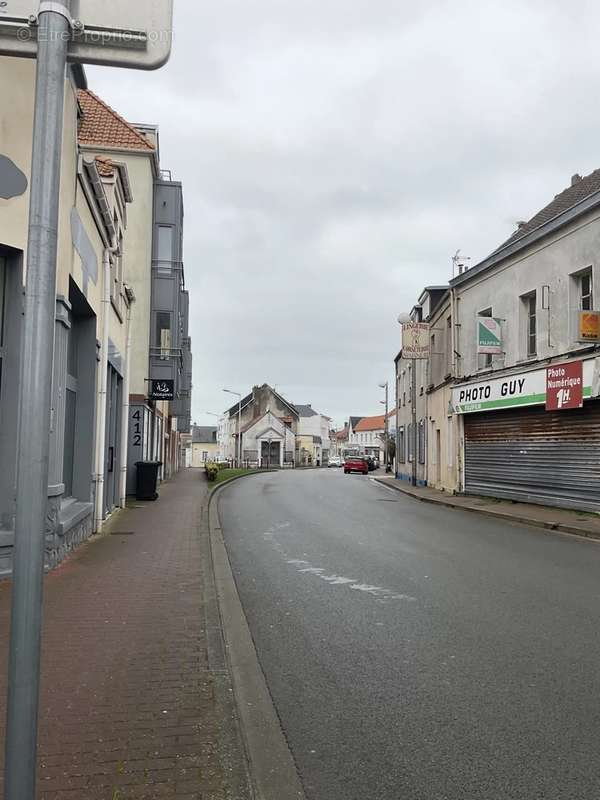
564,386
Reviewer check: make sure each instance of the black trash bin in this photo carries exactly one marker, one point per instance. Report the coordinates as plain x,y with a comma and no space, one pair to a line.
147,480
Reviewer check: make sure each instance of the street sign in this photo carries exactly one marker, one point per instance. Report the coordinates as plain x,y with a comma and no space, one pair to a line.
589,326
564,386
162,390
489,335
134,34
415,340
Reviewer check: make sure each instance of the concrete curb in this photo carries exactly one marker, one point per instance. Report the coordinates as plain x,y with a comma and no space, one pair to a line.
573,530
271,765
216,486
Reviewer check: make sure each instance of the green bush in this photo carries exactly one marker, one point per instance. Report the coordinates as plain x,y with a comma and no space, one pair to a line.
212,470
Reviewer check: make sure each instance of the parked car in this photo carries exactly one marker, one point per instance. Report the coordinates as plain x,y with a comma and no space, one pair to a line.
356,464
334,462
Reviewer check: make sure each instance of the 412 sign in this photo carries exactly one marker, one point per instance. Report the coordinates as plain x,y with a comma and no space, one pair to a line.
564,386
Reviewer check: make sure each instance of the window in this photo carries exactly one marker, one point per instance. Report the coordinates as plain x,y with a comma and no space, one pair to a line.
449,346
586,298
205,455
72,388
486,358
401,445
164,248
529,304
163,333
422,441
411,441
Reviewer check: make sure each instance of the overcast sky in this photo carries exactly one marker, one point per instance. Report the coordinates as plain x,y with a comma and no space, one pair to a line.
336,153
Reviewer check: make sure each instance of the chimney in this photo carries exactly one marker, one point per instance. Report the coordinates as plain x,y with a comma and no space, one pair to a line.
575,179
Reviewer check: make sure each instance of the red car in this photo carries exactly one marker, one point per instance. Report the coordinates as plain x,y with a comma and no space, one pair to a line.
356,464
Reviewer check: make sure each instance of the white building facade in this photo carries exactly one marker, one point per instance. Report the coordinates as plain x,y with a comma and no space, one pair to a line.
517,438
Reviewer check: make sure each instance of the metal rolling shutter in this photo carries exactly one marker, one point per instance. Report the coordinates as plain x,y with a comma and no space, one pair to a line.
536,456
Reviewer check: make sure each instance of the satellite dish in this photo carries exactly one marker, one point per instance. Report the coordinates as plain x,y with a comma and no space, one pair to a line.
404,318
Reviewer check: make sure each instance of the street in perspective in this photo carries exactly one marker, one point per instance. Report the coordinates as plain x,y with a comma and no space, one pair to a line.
299,401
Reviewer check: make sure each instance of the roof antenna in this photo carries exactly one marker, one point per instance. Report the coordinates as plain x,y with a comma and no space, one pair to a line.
458,264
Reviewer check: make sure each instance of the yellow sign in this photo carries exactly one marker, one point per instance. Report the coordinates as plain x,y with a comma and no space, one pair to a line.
589,326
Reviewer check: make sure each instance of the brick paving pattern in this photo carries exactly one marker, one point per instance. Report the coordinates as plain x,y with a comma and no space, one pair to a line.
129,704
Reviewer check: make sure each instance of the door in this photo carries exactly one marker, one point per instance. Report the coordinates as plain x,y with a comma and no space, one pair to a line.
438,456
270,454
111,452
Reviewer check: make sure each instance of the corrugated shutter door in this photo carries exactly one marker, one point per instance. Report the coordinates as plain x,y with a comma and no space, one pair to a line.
534,455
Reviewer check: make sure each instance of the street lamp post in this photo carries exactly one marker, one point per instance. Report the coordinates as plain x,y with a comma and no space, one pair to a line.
239,426
386,448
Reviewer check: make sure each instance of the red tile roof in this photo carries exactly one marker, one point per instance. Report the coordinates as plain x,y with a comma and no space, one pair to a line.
371,424
100,126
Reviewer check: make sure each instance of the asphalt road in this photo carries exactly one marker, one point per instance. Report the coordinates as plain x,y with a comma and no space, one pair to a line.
419,653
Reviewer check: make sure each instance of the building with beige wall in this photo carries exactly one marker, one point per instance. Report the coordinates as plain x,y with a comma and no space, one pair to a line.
106,241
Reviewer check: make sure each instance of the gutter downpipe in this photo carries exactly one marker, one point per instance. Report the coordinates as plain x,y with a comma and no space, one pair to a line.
125,409
101,431
457,419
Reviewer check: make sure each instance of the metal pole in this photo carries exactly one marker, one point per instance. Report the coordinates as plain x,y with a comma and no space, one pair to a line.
240,433
397,395
414,420
385,450
35,402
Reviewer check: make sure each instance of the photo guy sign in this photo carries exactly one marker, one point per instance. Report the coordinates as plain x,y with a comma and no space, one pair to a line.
564,386
559,386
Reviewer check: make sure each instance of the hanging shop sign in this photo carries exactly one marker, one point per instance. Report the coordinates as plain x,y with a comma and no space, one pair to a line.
489,335
525,389
589,326
162,390
564,386
415,340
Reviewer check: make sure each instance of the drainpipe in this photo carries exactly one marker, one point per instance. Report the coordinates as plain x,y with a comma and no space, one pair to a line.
101,430
125,406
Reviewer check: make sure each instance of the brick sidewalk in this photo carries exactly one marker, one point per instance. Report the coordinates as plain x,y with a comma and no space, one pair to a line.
133,704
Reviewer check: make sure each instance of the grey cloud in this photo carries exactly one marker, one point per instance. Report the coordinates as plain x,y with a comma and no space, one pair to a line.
336,153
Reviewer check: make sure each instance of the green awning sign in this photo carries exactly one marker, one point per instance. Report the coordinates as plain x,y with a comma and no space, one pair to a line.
489,335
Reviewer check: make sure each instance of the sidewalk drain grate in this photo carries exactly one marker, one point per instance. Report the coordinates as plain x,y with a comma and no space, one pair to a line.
385,500
122,533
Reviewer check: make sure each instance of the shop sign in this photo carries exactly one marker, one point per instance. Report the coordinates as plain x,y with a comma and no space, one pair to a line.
415,340
162,390
489,335
589,326
525,389
564,386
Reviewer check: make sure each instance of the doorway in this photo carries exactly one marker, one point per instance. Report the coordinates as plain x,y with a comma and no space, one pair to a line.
270,454
112,450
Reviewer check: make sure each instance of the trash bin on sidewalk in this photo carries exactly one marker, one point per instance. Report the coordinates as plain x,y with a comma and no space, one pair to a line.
147,479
